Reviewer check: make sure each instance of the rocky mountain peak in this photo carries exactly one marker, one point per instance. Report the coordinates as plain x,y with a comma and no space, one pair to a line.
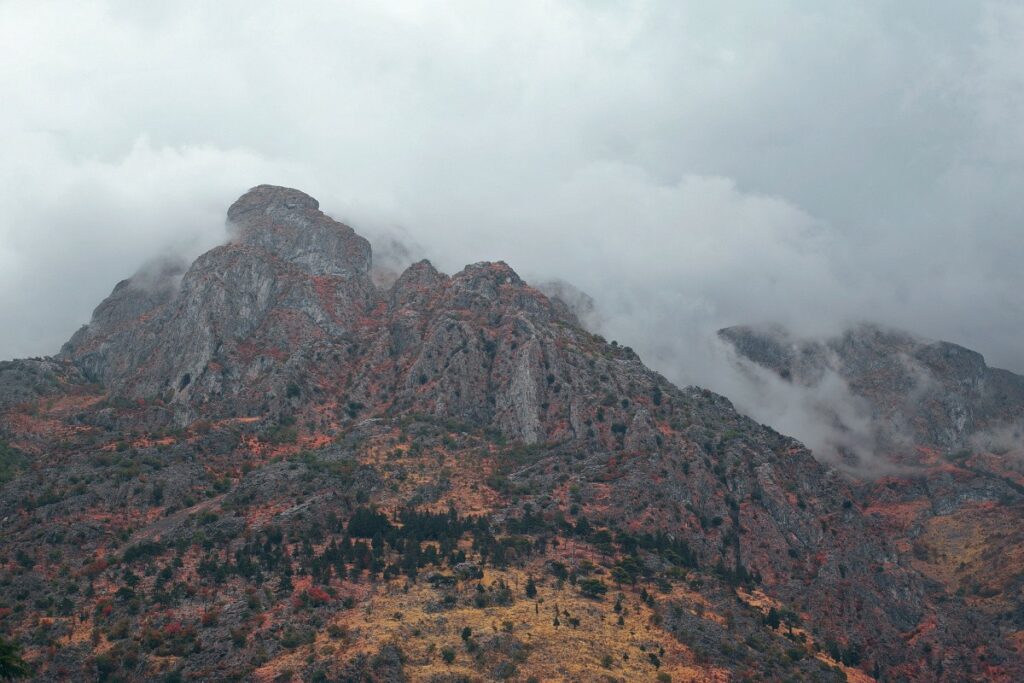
289,224
290,303
270,199
417,284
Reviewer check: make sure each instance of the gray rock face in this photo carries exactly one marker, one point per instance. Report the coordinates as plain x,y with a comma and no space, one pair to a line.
289,224
478,346
927,393
288,309
132,299
288,306
241,312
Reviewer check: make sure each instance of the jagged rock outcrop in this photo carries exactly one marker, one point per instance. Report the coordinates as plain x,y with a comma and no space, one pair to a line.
243,318
270,311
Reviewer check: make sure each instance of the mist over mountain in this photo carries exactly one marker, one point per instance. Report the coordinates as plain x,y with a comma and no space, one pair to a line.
871,397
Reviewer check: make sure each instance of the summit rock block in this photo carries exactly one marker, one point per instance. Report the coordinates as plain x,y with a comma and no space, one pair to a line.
289,224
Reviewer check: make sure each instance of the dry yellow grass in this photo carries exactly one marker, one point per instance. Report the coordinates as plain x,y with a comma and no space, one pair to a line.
397,614
977,545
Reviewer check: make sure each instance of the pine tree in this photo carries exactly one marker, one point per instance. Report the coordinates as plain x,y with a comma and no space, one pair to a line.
12,666
285,587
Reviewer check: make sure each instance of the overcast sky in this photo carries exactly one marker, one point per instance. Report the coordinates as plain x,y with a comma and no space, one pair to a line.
689,164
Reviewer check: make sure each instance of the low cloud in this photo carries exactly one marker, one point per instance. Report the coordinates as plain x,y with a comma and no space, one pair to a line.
1002,440
688,167
837,425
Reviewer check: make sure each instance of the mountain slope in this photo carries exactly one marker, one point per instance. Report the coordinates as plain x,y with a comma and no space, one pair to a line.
267,467
944,431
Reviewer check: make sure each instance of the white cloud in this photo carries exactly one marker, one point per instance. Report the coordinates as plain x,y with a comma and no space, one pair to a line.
690,165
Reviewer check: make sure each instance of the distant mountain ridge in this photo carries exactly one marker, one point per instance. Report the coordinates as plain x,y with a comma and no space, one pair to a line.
920,392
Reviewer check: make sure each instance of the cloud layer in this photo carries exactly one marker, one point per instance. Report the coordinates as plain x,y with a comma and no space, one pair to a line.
689,165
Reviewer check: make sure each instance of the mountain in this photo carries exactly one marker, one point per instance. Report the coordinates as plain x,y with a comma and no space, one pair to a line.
265,466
